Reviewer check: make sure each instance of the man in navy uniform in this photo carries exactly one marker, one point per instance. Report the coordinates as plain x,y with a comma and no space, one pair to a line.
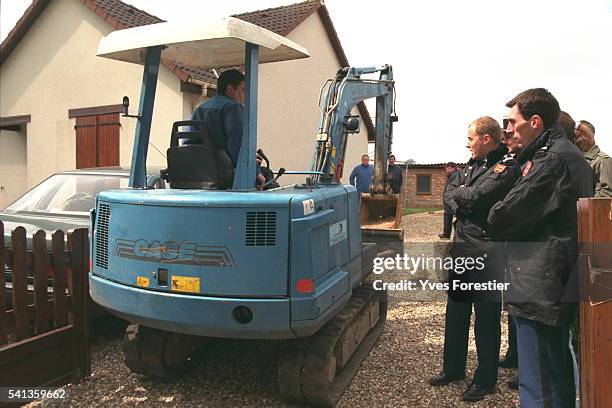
538,217
488,176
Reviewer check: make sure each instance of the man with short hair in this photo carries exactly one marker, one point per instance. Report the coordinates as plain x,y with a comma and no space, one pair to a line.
538,218
451,177
488,176
600,162
395,175
224,112
361,176
568,124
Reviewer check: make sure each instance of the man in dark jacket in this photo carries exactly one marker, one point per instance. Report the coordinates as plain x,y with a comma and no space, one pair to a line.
538,217
395,175
452,176
488,176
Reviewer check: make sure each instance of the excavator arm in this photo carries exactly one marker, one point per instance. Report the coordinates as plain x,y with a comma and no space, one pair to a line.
380,211
339,97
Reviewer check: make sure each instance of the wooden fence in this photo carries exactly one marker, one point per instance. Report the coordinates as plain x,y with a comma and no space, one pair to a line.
595,231
43,334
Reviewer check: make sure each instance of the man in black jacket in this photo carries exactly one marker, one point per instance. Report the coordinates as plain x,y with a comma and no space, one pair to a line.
396,176
452,176
538,217
488,176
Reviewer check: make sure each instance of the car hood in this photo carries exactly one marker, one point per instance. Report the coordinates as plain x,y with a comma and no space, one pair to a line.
33,223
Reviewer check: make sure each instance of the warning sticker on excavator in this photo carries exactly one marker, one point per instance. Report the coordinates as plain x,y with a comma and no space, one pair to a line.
186,284
337,232
308,206
142,281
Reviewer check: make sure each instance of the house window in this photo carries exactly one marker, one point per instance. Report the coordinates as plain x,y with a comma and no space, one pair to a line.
423,184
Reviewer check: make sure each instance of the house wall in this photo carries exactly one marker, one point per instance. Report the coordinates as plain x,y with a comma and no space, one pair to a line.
55,66
13,166
434,199
288,104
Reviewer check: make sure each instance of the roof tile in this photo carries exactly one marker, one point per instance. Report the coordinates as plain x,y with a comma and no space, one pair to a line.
121,14
281,20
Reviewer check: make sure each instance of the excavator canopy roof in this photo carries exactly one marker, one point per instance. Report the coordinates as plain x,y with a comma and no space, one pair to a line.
213,44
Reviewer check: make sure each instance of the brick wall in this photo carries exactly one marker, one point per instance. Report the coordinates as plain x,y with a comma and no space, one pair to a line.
438,181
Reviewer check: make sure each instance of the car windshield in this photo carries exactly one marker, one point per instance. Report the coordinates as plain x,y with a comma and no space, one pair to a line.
67,194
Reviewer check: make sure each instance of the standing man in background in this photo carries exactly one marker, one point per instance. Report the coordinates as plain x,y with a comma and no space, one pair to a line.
361,176
600,162
451,176
396,176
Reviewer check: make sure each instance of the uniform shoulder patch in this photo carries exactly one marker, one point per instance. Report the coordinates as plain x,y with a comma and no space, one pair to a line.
527,167
499,168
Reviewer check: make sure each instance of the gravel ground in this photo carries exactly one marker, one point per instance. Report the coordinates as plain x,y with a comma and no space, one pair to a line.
243,374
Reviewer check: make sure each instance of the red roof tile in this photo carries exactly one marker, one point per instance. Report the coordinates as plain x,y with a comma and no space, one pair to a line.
281,20
121,15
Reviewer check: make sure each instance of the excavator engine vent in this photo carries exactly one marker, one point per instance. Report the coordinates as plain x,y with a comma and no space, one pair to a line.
102,236
260,228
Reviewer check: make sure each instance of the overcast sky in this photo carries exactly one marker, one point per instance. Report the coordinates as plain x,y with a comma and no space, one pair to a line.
453,60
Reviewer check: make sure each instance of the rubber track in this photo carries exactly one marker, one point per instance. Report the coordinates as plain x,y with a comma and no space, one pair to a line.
142,348
302,372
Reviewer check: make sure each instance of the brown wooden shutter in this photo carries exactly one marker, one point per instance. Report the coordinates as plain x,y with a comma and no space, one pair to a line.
108,140
97,140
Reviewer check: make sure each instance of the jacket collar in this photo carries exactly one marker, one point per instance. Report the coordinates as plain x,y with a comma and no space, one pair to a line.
546,138
225,98
496,155
493,157
592,153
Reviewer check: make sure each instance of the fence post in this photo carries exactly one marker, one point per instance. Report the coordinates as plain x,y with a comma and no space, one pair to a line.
40,269
3,325
595,234
60,313
20,282
79,243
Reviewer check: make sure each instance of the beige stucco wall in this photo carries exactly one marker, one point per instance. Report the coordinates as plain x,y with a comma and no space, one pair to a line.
13,167
288,104
54,69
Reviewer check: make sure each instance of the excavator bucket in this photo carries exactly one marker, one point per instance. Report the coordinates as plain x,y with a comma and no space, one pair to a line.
381,215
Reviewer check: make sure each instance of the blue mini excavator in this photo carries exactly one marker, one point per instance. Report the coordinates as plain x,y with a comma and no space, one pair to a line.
213,257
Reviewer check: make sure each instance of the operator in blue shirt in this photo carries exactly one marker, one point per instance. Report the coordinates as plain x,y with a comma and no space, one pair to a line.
361,176
224,114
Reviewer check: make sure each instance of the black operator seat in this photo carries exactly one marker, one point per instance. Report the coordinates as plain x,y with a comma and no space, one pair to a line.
197,162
